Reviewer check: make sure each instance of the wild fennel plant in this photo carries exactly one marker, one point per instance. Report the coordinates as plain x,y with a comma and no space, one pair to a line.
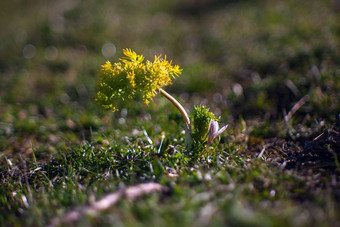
133,77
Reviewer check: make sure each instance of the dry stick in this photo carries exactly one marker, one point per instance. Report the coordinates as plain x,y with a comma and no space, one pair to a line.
23,162
108,201
188,138
297,106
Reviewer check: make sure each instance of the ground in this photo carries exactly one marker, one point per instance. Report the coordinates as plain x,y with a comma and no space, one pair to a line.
269,69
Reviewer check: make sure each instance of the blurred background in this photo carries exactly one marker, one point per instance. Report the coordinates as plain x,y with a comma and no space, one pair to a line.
250,60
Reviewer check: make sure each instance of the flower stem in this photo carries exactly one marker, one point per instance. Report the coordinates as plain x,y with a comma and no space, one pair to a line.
178,106
188,138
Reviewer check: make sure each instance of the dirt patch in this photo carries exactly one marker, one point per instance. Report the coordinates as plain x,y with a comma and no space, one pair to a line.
322,153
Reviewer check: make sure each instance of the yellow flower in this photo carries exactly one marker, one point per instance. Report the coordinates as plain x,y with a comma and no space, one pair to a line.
130,77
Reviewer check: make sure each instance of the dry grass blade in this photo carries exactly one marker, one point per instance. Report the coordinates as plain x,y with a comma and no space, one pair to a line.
295,108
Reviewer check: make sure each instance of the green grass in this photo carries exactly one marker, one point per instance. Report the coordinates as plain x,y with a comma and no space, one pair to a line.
249,61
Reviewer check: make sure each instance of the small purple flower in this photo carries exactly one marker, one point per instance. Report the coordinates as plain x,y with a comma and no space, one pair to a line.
213,131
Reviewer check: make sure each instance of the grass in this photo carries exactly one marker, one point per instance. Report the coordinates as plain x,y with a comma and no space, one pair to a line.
270,69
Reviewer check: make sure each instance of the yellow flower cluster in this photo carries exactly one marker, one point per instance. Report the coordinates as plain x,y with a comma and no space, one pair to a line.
132,77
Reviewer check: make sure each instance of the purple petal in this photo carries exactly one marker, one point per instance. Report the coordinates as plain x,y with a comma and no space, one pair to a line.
220,131
212,126
211,130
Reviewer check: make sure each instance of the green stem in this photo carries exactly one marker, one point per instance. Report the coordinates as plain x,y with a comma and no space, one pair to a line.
188,137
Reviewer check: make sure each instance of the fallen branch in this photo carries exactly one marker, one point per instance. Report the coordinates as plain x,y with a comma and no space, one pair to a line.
108,201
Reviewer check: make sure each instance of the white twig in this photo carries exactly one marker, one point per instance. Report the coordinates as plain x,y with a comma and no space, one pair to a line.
108,201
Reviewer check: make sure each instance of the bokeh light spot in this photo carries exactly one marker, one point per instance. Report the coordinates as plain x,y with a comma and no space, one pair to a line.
29,51
108,50
51,53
